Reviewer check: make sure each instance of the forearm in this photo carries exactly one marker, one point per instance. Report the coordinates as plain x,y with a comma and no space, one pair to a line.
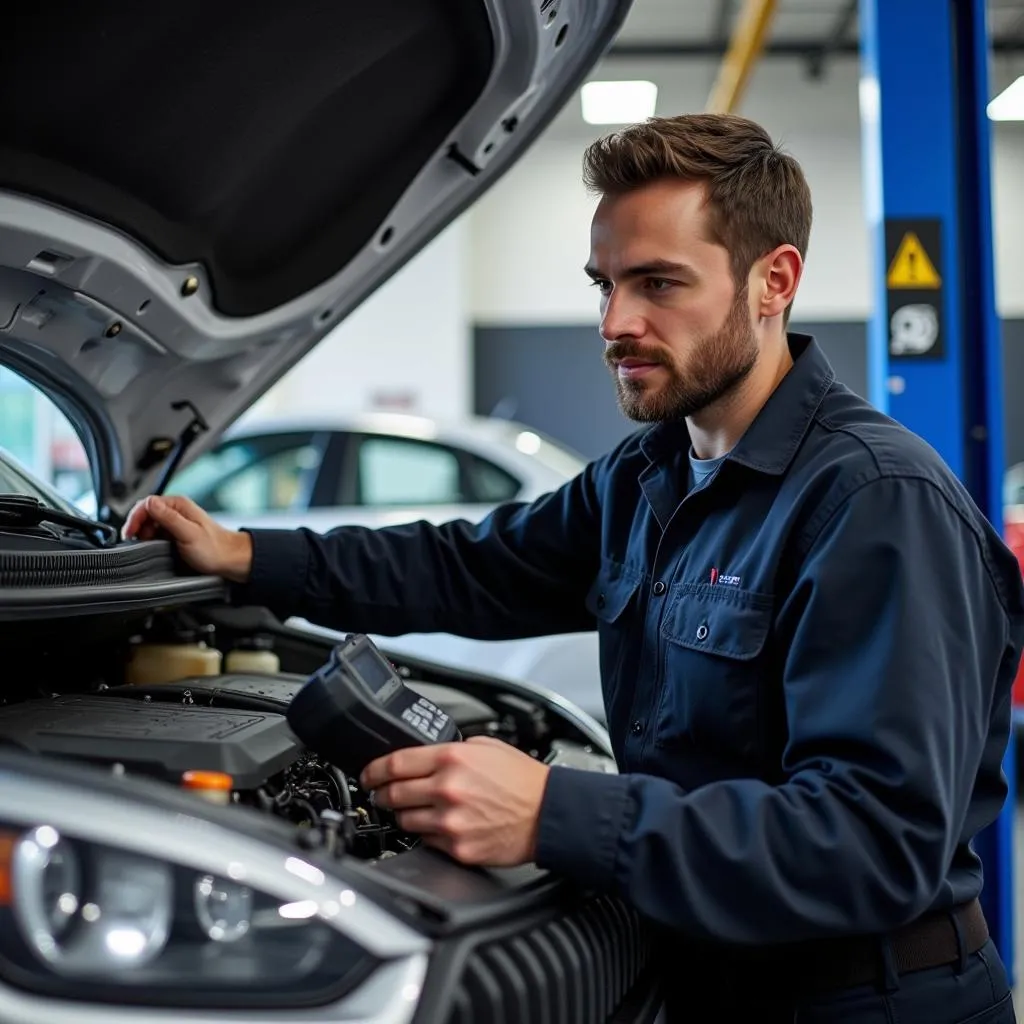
483,581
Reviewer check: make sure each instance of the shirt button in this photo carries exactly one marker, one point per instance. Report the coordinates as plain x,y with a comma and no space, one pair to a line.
702,632
637,727
659,588
601,602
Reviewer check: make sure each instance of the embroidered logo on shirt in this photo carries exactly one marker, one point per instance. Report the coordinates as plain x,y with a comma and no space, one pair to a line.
727,581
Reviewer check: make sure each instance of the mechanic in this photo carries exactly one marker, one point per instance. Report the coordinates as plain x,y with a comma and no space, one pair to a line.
808,632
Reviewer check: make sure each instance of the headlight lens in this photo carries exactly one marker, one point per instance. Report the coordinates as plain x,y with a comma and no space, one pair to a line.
223,909
91,921
125,919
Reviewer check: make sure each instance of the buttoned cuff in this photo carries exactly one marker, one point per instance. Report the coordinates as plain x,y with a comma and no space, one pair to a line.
280,560
582,817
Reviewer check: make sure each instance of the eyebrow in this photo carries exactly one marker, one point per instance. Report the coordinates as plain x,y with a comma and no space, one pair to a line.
652,267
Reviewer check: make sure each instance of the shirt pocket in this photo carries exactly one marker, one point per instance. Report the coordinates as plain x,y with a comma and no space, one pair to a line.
612,601
712,639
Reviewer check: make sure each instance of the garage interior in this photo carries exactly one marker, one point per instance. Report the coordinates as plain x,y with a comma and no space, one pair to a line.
495,318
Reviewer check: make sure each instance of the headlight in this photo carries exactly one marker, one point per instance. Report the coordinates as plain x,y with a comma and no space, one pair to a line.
83,917
113,901
119,912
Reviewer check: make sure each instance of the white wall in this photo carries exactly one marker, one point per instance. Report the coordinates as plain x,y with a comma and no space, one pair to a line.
531,233
1008,217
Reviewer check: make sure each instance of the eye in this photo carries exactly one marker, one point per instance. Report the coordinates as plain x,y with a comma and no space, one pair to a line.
659,284
604,287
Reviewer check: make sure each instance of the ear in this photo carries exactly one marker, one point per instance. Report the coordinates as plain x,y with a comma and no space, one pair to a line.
778,275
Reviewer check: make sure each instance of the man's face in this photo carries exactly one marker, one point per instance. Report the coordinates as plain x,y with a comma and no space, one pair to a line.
679,335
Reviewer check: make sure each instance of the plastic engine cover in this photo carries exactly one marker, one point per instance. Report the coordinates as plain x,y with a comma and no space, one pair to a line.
157,739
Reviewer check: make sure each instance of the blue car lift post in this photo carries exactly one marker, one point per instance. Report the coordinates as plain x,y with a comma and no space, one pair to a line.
934,340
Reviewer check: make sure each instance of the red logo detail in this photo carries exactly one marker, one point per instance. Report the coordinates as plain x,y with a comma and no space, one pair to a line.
714,576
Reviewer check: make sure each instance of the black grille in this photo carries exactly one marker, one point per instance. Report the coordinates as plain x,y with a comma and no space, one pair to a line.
573,969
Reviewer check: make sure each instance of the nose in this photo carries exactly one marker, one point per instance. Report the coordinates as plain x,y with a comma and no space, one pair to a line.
620,318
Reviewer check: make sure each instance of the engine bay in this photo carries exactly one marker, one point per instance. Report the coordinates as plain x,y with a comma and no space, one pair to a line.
198,699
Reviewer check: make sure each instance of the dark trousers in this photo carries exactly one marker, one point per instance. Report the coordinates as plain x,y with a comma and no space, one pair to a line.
974,991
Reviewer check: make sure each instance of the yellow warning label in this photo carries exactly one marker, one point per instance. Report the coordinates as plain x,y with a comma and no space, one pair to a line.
911,267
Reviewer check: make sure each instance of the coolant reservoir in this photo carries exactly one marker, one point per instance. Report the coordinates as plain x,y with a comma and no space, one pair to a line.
253,654
182,655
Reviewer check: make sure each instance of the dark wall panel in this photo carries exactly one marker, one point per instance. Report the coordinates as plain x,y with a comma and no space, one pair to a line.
553,378
1013,383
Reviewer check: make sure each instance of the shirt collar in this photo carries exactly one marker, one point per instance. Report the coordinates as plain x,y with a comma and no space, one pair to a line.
771,441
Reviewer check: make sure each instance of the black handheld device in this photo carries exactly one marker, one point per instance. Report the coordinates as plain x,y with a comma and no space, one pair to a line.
356,708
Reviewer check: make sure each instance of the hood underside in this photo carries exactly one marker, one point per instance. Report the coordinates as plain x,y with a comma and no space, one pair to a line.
192,196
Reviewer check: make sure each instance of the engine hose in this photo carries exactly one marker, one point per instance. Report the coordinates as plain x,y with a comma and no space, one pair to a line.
348,821
345,793
314,818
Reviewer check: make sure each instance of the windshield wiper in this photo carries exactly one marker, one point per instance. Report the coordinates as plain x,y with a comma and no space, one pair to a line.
21,511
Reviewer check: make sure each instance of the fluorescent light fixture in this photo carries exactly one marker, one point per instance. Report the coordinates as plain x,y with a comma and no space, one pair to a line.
618,102
1009,104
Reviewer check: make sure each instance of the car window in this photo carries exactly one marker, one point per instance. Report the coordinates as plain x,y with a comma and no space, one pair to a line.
248,476
490,483
35,432
400,471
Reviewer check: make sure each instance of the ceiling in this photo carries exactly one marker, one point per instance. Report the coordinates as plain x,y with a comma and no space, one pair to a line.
807,75
815,29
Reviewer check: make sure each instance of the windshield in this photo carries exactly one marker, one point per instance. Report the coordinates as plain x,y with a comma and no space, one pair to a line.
41,456
15,479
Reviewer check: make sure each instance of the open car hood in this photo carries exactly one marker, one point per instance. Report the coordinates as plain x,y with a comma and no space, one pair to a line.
191,199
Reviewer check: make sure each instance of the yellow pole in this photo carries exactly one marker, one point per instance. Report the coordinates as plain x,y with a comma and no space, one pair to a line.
745,47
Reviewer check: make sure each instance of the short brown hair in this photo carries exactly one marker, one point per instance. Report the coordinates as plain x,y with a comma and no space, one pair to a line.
758,197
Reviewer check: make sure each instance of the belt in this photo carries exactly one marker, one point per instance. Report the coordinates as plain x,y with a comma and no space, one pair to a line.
807,969
930,941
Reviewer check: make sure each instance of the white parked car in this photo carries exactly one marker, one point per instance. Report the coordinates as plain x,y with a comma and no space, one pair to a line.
379,469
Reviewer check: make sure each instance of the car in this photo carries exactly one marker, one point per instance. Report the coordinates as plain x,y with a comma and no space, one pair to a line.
379,469
187,207
372,469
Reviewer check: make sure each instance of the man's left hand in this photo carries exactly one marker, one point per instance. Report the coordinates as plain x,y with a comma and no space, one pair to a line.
479,801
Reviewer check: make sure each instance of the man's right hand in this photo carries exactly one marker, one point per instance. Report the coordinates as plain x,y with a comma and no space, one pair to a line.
206,546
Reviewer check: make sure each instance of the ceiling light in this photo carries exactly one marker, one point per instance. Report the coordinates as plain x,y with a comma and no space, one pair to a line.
618,102
1009,104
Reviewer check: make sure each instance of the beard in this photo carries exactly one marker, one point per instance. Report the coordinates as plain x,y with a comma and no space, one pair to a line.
718,364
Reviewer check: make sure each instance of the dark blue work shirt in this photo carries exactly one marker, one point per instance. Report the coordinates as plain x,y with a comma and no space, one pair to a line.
806,660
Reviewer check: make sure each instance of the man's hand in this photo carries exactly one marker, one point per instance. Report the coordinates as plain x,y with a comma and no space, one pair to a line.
479,801
205,545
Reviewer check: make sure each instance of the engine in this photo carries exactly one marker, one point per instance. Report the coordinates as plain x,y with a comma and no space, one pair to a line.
226,733
215,728
199,699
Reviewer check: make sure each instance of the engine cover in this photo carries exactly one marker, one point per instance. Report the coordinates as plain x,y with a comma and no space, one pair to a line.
151,738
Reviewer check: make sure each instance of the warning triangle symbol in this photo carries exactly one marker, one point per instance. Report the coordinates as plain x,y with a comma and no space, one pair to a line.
911,267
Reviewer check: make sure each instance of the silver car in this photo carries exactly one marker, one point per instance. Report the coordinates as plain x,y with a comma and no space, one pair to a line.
189,202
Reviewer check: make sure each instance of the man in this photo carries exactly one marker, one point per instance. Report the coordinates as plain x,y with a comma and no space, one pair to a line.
808,632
